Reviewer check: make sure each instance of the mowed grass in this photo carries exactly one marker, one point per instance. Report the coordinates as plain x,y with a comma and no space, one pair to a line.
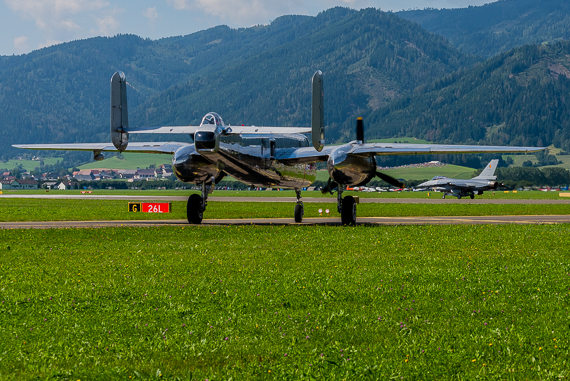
16,210
290,302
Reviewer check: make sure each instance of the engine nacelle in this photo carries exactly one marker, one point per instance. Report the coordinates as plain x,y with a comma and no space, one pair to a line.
190,167
493,184
351,170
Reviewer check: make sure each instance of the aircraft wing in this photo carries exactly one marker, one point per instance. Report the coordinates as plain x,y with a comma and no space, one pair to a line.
228,130
142,147
419,149
309,154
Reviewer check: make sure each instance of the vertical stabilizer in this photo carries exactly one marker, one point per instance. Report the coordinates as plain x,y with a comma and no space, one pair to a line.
489,171
318,113
119,113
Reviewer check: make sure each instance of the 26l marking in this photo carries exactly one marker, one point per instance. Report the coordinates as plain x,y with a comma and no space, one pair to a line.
150,207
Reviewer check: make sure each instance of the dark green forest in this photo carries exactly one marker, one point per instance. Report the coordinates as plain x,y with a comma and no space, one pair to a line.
520,97
405,77
259,75
499,26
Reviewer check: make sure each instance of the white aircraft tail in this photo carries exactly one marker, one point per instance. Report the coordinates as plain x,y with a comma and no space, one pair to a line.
489,171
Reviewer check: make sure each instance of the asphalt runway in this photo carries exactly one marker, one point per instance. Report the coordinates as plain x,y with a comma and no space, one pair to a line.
431,200
443,220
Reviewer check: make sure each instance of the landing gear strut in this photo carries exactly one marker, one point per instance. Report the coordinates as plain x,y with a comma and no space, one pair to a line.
197,204
299,208
346,207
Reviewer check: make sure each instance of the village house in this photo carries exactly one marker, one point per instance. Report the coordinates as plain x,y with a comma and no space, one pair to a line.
145,174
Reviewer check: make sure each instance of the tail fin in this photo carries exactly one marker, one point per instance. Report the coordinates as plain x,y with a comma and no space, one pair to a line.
489,171
119,112
318,113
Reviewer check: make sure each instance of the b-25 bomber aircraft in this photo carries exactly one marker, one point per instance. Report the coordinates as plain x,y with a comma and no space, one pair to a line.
460,188
278,157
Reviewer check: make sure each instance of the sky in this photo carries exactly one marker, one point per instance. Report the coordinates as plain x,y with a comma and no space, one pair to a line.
27,25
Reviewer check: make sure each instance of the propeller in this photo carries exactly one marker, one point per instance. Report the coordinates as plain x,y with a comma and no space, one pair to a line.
390,180
360,137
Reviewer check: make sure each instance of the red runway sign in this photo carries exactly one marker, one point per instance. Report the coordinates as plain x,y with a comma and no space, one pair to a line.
150,207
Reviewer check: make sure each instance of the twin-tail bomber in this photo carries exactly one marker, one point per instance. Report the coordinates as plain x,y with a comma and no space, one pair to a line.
281,157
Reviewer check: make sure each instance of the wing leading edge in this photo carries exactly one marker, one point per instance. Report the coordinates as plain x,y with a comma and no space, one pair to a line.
309,154
142,147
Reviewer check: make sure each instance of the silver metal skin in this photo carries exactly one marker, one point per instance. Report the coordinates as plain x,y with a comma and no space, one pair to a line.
353,170
461,188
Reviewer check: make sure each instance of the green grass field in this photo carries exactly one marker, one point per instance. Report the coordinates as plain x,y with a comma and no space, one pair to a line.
13,210
297,302
129,161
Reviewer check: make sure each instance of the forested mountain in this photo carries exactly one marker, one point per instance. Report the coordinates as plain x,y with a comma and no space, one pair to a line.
499,26
259,75
521,97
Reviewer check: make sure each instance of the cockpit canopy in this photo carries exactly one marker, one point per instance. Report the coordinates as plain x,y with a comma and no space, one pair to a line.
439,178
212,118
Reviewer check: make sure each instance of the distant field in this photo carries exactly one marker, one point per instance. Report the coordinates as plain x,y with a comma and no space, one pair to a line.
251,302
29,165
130,161
426,173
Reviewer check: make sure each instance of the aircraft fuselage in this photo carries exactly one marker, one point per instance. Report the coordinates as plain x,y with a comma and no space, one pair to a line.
249,158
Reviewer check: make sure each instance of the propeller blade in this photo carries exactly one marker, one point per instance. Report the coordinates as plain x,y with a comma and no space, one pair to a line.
390,180
331,185
359,129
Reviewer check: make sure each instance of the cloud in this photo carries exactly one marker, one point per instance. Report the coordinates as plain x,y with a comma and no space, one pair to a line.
107,25
49,42
21,43
241,12
54,13
151,14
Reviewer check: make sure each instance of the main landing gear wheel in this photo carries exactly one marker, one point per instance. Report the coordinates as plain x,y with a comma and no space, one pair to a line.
459,197
348,212
299,212
472,196
194,210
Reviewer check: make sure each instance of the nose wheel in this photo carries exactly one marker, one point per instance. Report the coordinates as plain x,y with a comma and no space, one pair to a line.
197,204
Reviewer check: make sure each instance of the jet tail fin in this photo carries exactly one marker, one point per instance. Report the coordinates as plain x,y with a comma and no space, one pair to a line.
119,112
489,171
318,113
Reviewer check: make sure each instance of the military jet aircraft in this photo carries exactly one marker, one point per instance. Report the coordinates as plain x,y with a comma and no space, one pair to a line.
460,188
277,157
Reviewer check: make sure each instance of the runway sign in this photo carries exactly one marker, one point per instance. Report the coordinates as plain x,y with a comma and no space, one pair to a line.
150,207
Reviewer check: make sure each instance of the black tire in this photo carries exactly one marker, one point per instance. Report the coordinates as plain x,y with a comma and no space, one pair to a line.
459,197
472,196
348,214
299,212
194,210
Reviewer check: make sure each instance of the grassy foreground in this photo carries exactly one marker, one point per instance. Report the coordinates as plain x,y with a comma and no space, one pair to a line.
13,210
408,302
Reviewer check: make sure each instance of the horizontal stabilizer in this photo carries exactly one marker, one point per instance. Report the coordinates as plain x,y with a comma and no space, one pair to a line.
229,130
